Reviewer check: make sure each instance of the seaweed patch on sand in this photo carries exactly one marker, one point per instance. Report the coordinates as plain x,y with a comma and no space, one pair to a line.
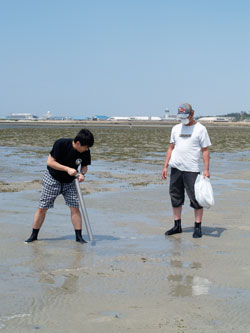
19,186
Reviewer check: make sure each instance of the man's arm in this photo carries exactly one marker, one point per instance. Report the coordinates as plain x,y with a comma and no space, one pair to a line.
168,156
206,160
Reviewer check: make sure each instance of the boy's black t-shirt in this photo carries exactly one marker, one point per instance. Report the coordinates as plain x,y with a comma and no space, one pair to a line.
64,153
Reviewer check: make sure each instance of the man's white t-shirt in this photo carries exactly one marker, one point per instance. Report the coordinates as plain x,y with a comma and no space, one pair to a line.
188,141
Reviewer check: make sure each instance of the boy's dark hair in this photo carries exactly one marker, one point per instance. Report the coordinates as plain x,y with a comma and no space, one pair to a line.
85,137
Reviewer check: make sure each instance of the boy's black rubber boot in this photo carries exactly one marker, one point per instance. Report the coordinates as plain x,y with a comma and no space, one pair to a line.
33,236
197,230
175,230
79,237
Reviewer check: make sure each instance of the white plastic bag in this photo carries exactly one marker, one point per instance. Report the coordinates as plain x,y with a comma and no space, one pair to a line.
204,192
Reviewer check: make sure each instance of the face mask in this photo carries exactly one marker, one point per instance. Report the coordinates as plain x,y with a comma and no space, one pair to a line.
184,121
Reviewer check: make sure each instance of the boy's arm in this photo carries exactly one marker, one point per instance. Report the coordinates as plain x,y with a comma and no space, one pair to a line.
84,169
168,156
81,175
205,156
51,162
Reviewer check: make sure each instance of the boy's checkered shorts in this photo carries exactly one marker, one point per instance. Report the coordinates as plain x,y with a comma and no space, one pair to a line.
51,188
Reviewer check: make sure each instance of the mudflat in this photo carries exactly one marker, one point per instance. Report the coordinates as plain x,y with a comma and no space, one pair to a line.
131,278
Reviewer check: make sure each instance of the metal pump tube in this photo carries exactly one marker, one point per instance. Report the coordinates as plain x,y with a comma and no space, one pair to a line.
82,203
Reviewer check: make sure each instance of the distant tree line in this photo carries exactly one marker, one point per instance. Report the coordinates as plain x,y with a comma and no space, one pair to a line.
238,116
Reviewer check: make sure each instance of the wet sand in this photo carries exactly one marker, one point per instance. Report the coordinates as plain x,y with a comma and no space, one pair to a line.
131,278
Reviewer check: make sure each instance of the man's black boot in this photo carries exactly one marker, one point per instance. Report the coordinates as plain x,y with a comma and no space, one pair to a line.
79,237
176,229
197,230
33,236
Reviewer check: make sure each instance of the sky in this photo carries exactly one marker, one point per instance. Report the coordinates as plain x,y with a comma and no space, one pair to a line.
79,58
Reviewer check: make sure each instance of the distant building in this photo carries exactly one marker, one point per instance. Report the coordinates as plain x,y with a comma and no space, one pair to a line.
215,119
22,116
118,118
136,118
168,117
59,118
100,117
47,115
140,118
81,118
166,113
155,118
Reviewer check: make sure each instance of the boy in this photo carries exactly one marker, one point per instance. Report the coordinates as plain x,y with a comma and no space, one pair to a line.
59,179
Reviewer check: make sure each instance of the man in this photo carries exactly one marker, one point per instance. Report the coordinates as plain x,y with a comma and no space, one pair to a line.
59,179
188,141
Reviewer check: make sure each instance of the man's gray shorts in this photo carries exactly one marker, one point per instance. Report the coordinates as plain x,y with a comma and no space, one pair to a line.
179,182
51,188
